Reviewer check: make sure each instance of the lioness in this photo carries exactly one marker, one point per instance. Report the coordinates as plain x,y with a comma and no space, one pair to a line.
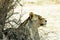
27,30
35,22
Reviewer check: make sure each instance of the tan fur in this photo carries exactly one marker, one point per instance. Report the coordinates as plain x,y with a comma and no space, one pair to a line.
35,22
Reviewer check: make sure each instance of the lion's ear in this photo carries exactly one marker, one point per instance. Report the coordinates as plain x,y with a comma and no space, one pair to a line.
31,15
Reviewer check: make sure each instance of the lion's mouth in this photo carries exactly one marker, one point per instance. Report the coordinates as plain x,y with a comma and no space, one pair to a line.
42,24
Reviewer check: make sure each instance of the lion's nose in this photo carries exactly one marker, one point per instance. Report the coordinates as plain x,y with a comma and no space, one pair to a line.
45,20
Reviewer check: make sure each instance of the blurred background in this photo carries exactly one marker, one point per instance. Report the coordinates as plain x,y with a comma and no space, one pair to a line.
49,9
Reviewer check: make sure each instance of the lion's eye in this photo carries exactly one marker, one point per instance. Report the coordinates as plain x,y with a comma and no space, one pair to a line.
40,19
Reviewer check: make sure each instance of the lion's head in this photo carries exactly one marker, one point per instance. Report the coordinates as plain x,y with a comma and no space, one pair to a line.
37,20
